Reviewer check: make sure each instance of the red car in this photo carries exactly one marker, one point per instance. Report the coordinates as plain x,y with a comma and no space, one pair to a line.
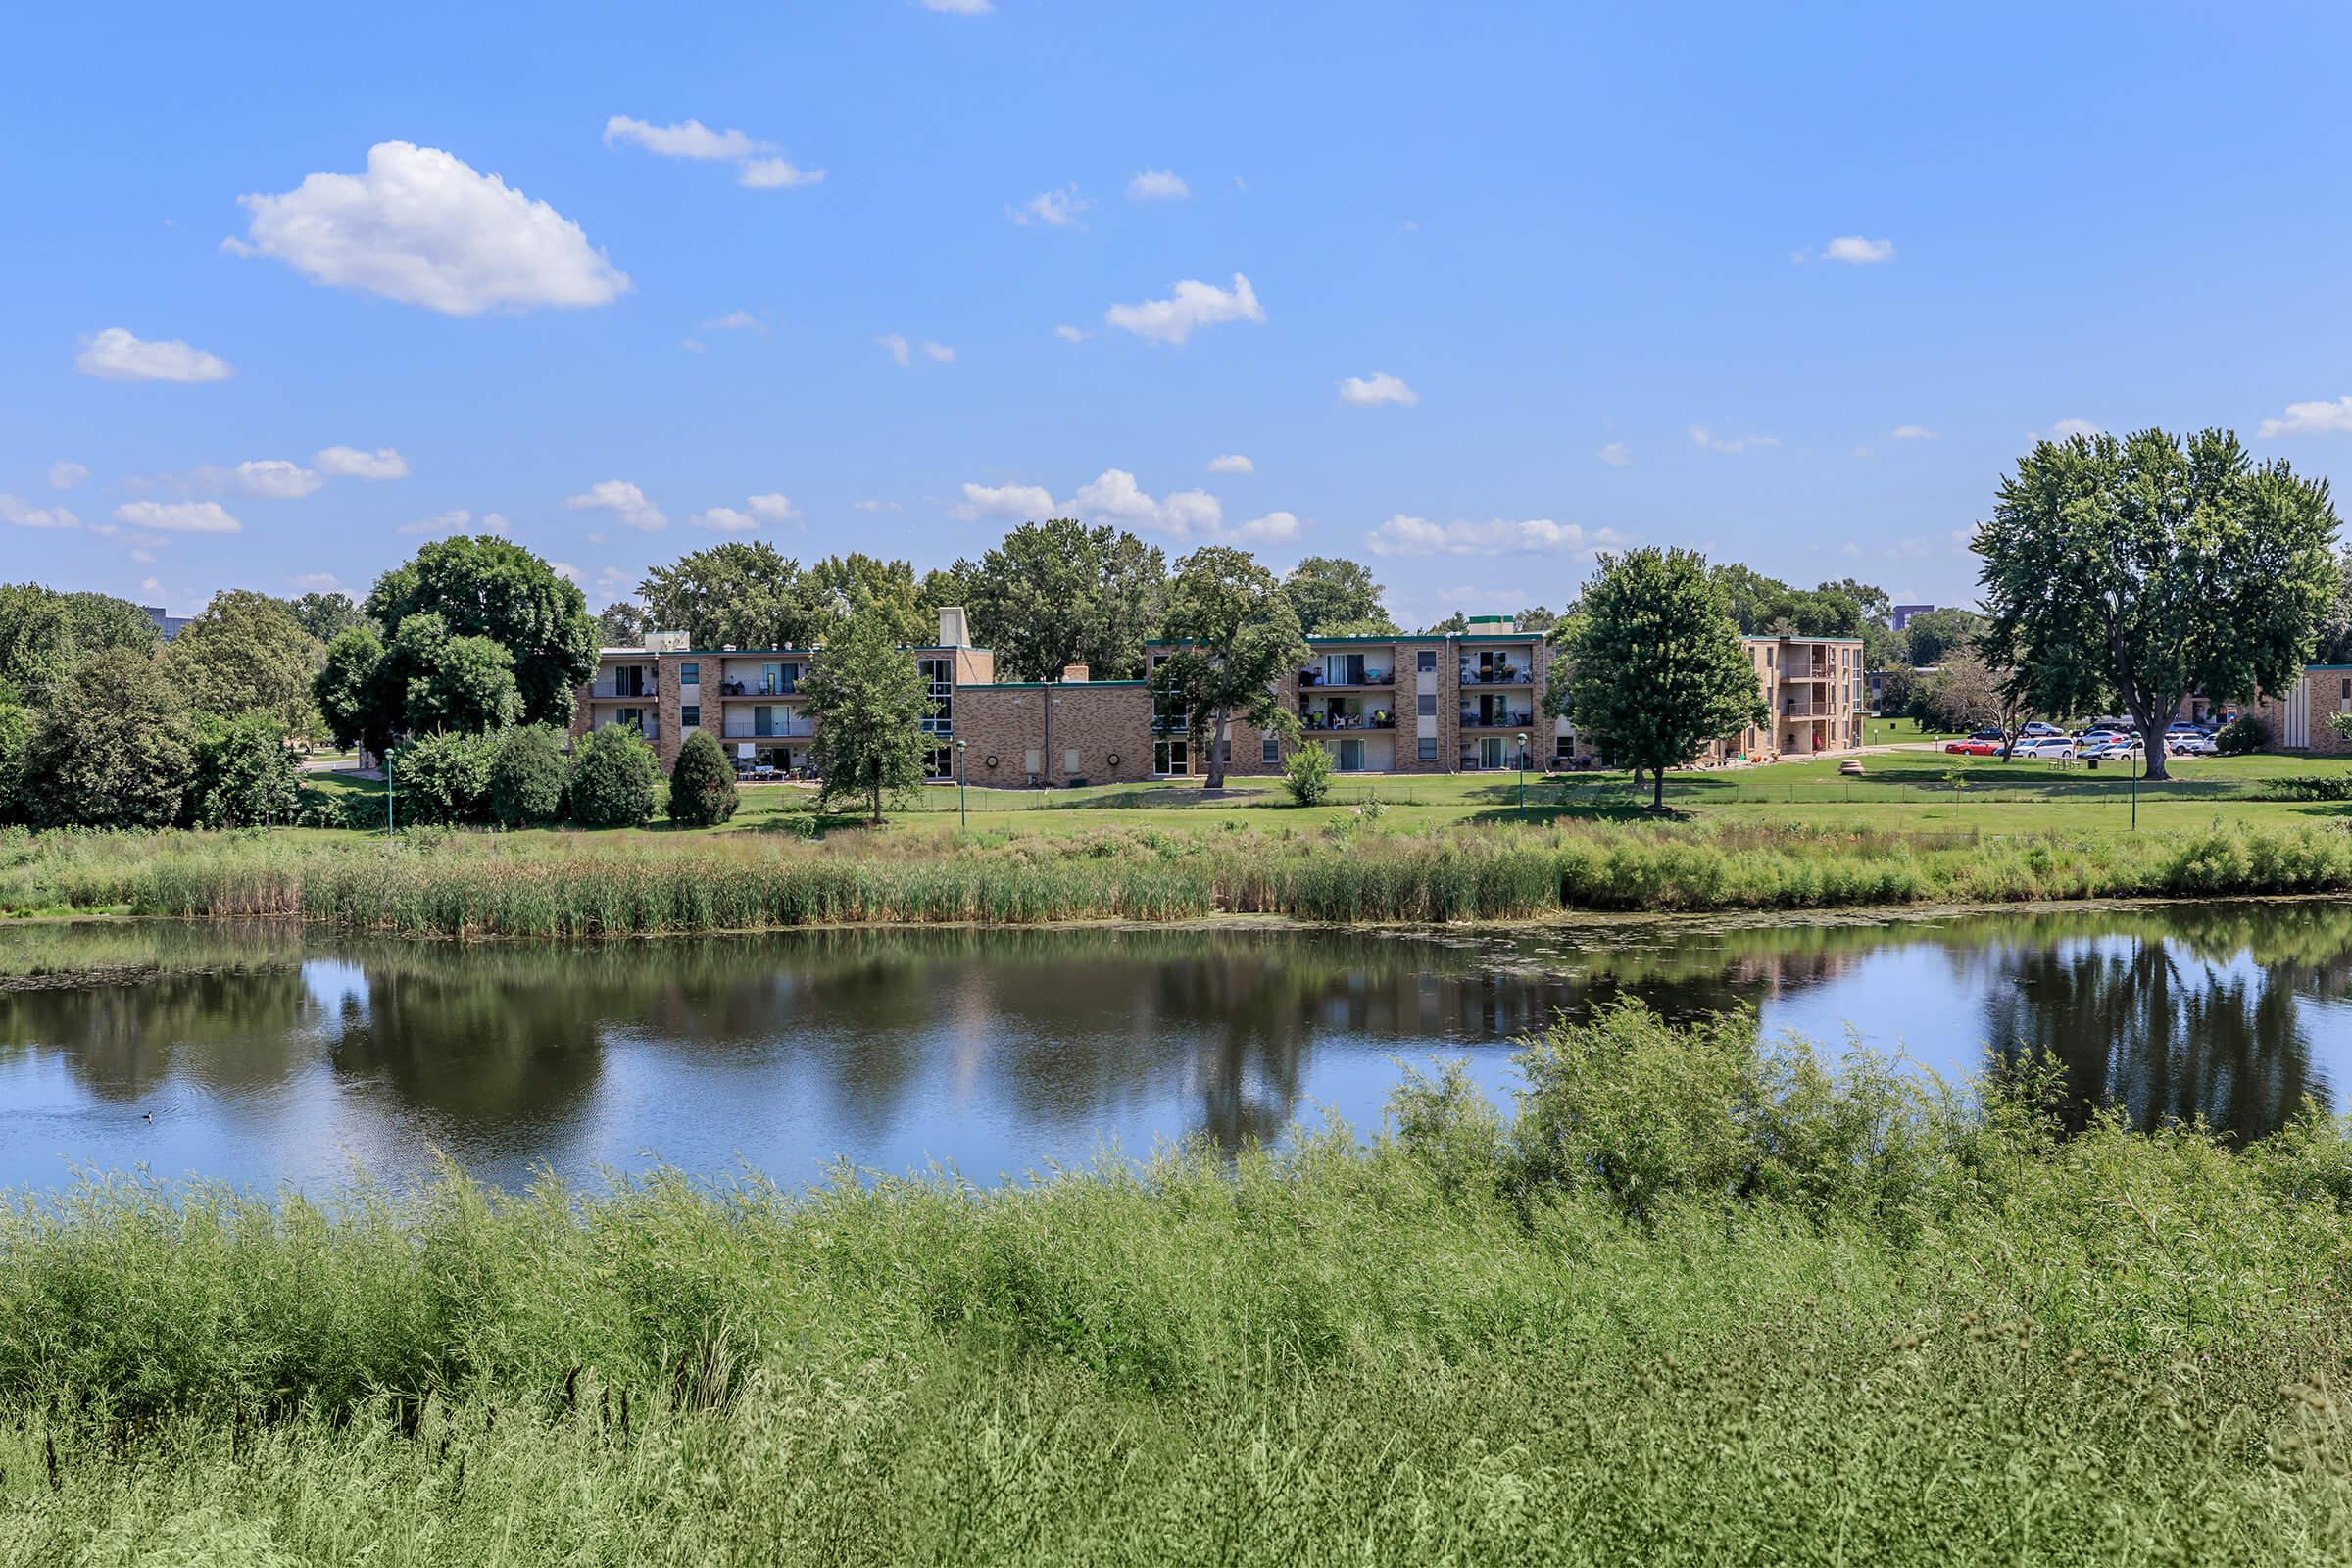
1974,748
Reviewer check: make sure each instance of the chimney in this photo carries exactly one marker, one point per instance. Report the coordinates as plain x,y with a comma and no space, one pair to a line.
954,632
1073,674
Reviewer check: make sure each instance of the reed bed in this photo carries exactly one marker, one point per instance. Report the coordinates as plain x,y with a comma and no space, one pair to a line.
481,884
1689,1301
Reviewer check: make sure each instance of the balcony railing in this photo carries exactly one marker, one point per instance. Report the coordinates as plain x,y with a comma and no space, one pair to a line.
1370,677
745,728
1496,718
1499,675
650,728
1325,722
610,689
758,688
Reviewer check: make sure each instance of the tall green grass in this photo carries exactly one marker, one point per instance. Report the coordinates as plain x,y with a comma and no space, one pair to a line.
489,885
1689,1301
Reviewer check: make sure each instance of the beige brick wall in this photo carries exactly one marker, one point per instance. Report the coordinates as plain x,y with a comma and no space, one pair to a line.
1099,722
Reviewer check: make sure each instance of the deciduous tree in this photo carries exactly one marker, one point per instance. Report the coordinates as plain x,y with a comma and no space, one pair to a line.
1335,597
1656,668
701,786
743,593
1237,640
246,652
868,702
2143,569
1057,593
114,749
485,586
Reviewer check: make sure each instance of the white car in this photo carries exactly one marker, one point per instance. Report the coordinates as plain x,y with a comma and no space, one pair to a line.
2045,748
2195,743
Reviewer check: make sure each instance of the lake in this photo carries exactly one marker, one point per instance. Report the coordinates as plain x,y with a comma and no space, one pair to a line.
275,1055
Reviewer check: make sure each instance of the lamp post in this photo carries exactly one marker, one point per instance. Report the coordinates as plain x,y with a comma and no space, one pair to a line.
963,817
387,792
2135,755
1522,778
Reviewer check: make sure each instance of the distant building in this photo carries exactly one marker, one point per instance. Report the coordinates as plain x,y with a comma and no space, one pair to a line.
1904,612
168,625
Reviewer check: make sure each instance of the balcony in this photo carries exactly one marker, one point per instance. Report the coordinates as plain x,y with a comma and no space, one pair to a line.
1499,675
1328,723
650,728
744,727
612,689
758,688
1320,679
1496,718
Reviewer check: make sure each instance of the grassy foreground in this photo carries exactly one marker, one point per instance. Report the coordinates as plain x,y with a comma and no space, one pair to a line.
472,884
1694,1303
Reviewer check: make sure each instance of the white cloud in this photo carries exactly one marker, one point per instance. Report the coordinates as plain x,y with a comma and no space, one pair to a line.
22,516
493,522
1401,535
1616,454
1196,305
355,463
455,521
689,138
1054,209
2312,418
726,520
770,507
1158,185
424,227
898,348
1231,462
144,556
1010,502
1070,334
1113,496
114,354
773,508
64,475
2066,431
152,587
179,516
623,500
1371,391
1913,432
694,345
316,582
1274,529
939,352
776,173
1860,252
276,478
735,321
1712,442
568,572
959,8
870,504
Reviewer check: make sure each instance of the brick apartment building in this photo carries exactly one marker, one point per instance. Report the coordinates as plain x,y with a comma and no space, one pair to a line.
2298,719
1412,705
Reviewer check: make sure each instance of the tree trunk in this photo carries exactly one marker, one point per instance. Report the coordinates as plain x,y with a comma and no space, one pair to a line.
1216,748
1657,789
2146,714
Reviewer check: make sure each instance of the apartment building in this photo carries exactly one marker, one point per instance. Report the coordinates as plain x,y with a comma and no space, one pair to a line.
1816,690
2298,719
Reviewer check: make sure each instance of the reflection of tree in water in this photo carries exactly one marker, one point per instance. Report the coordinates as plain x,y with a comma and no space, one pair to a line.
472,1045
2143,1025
228,1029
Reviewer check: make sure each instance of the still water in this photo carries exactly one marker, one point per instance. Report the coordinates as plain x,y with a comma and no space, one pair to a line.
272,1054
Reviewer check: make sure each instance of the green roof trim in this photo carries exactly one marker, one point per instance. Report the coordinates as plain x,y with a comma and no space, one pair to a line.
1040,685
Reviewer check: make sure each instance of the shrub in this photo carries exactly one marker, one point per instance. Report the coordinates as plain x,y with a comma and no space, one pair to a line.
2242,735
442,778
246,775
113,750
1307,774
701,787
2309,787
528,776
615,778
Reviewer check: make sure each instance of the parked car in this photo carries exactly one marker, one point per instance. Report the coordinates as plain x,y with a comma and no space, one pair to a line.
2196,742
1973,746
2046,748
2037,730
2116,751
1991,732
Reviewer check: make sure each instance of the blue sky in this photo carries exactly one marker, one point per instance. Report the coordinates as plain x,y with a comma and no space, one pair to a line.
1474,289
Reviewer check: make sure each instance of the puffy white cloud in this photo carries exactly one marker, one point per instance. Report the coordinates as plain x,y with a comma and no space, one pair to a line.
276,478
773,507
1274,529
1054,209
870,504
939,352
2069,428
1070,334
1616,454
1371,391
1114,497
1158,185
1710,441
354,462
1913,432
568,572
960,8
735,321
179,516
1196,305
758,164
64,475
1403,535
1231,462
623,500
776,173
1860,252
2312,418
456,520
1009,503
726,520
424,227
896,347
114,354
20,514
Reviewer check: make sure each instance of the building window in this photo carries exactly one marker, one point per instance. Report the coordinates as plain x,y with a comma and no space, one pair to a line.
1426,661
1033,761
690,673
1425,749
1073,761
1428,705
690,716
1269,750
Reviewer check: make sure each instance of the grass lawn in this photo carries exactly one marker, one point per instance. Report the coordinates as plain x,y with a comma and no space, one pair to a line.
1894,731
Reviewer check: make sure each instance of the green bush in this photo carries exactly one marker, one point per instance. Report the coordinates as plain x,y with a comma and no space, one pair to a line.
2241,735
442,778
528,772
615,778
701,787
2308,787
246,775
1307,774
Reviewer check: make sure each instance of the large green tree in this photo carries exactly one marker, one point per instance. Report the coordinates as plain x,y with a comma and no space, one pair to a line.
1057,593
45,634
1238,639
2143,569
868,702
325,616
356,692
1655,669
485,586
451,683
247,652
1758,604
845,587
116,747
742,593
1931,638
1336,597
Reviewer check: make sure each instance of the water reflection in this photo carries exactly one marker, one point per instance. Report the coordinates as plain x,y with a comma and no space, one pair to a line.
272,1054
